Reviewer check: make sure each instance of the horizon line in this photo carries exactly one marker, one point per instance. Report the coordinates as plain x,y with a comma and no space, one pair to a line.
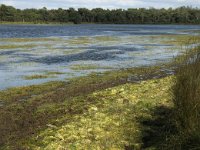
76,8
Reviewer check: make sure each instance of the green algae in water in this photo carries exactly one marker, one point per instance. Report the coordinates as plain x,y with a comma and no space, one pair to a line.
54,73
79,41
32,77
61,52
47,74
17,46
88,67
74,51
177,40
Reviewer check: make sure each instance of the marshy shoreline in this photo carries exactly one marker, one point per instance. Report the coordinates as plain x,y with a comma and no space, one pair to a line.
37,107
132,108
27,112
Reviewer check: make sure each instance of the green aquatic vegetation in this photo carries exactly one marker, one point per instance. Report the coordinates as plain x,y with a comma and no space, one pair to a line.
91,40
79,41
138,40
4,58
159,40
17,46
53,73
106,39
32,77
178,40
74,51
197,31
47,74
88,67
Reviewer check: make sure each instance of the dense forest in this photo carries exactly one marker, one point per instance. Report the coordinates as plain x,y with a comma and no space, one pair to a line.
181,15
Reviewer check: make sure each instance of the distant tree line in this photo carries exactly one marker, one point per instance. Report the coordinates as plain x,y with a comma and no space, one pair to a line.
181,15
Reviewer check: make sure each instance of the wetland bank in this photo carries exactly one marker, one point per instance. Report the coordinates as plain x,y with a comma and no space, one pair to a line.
88,86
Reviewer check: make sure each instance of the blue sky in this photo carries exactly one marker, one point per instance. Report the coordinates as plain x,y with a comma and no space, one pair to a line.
100,3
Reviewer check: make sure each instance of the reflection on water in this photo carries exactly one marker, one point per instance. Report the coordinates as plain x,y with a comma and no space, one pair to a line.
78,50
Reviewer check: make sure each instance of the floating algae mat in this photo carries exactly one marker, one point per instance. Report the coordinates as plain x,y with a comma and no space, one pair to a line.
26,56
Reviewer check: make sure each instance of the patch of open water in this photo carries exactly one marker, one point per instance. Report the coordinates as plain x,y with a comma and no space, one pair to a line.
27,50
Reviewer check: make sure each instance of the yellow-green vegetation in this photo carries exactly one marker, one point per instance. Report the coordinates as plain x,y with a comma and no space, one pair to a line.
79,41
31,77
196,31
105,38
90,40
47,74
102,120
113,40
27,111
88,67
118,109
53,73
111,110
110,119
177,40
74,51
11,46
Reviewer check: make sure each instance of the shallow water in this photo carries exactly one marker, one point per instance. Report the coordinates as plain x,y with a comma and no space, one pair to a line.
75,50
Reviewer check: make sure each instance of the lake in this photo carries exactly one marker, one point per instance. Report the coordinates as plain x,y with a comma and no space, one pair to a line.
34,54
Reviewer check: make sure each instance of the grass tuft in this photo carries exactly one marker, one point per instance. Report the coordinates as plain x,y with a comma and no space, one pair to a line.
186,98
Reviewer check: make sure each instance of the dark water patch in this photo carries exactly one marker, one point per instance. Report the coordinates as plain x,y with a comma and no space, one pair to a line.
71,47
96,54
118,47
89,55
7,52
23,55
127,47
155,45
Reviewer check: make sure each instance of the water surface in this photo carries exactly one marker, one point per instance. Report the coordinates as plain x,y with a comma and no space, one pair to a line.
62,52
